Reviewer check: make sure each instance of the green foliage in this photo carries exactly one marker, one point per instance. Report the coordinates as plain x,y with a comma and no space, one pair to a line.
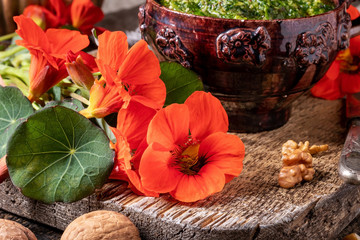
180,82
58,155
14,108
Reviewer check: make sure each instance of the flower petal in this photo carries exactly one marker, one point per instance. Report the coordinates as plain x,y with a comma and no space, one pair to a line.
133,122
36,13
208,181
140,66
207,115
43,76
33,36
80,73
63,40
136,185
60,10
104,100
170,126
155,171
329,86
350,83
353,11
153,94
84,14
225,151
355,46
122,157
113,48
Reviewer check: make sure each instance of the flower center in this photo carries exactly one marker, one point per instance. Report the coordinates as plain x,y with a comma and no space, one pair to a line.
349,63
189,161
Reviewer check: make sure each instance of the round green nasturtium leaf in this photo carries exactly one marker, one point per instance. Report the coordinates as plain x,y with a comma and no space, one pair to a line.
58,155
180,82
73,104
14,108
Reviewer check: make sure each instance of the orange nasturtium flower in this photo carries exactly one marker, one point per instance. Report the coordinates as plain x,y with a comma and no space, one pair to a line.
126,75
343,76
48,53
130,133
79,14
190,155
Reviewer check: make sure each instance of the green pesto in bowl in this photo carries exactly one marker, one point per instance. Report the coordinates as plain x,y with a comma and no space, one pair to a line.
251,9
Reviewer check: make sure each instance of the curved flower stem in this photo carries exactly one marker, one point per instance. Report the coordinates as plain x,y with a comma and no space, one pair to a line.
80,98
11,51
8,36
4,174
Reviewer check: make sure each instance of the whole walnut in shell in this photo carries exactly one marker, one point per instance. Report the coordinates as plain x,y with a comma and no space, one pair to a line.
104,225
10,230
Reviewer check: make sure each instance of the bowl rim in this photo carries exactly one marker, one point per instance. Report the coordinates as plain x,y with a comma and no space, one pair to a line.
154,2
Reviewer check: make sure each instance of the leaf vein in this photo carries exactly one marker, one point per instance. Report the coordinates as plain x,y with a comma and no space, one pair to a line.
43,170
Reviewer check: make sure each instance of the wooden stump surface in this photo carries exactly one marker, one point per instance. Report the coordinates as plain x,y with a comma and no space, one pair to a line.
252,206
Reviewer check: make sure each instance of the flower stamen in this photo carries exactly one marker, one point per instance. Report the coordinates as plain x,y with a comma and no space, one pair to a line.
186,157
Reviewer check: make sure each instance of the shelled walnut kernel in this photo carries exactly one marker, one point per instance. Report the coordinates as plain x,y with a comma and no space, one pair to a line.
297,162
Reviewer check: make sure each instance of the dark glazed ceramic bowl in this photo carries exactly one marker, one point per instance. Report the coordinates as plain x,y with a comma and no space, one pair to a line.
255,67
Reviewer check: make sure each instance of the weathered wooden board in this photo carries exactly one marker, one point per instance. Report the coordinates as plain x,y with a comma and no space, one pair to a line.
42,232
252,206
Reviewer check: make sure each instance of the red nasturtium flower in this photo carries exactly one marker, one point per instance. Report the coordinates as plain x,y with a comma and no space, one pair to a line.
130,133
48,53
126,75
343,76
79,14
190,155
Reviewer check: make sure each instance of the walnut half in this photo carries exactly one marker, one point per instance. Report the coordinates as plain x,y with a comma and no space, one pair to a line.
297,162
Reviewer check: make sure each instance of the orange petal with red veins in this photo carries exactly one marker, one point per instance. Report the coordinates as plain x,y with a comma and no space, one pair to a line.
140,66
152,95
225,151
32,35
133,122
63,40
207,115
113,48
170,126
156,171
208,181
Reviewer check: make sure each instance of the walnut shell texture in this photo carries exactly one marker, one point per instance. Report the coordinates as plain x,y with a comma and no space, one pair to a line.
10,230
102,224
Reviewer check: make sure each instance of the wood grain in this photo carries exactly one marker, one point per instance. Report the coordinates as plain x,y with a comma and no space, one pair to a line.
252,206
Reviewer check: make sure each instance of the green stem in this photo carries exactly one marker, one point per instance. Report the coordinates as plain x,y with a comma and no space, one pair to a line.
8,36
80,98
11,51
